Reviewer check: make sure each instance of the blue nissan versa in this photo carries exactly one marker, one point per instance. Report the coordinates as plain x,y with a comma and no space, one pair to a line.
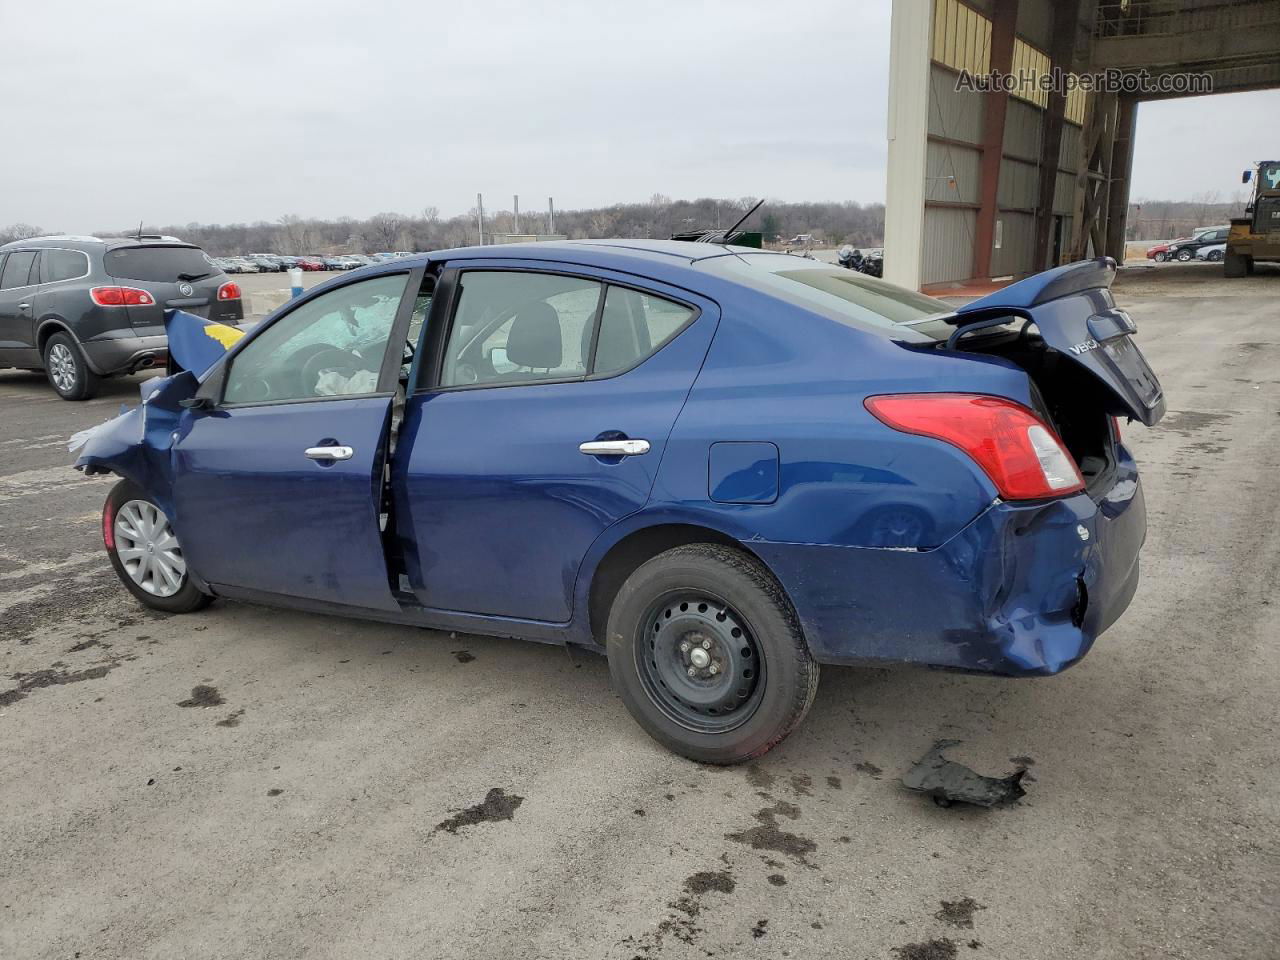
720,466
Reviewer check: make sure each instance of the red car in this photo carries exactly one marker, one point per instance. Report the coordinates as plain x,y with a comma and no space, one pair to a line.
311,263
1160,252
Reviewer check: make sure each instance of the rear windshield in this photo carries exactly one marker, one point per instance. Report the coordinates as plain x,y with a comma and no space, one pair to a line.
852,298
161,264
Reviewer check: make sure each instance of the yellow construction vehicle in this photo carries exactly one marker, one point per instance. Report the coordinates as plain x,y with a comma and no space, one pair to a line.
1256,237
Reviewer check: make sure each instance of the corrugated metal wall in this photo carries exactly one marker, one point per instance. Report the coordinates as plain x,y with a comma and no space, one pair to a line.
948,244
962,40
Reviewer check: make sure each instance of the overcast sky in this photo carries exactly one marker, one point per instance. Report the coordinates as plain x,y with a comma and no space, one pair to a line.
172,112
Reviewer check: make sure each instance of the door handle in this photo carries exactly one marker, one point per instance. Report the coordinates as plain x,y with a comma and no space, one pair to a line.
24,306
330,453
614,448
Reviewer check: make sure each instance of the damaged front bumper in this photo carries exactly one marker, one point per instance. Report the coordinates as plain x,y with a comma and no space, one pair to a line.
1023,590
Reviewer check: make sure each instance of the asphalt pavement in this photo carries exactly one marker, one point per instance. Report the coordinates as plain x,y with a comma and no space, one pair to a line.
244,782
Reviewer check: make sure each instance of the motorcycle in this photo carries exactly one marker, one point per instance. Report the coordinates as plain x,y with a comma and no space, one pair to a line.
872,264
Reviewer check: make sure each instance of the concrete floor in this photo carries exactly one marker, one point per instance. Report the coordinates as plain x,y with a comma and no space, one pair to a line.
307,813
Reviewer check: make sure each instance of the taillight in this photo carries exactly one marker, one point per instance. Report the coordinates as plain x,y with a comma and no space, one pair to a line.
1115,429
229,291
1019,452
121,297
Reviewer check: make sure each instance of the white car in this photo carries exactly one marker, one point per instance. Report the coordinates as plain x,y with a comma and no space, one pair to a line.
1213,252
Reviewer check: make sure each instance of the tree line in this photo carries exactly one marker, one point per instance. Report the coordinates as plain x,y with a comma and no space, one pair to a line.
659,217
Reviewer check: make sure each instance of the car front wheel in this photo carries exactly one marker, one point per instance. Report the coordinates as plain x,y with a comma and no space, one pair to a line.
1184,255
707,654
67,370
145,552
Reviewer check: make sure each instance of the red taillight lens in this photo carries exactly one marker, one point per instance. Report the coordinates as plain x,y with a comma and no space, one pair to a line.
121,297
229,291
1019,452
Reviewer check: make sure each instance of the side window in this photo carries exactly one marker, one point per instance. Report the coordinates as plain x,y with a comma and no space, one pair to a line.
17,270
632,326
330,346
512,327
63,265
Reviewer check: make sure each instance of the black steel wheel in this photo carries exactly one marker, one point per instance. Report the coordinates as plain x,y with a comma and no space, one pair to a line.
700,664
707,654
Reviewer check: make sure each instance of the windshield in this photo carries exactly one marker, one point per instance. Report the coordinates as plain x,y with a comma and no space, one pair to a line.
852,298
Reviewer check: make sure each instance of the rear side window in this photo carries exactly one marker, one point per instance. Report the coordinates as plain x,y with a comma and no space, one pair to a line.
63,265
513,327
17,270
159,264
634,325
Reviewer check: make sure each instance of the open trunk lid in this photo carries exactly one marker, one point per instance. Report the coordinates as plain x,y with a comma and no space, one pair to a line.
1073,310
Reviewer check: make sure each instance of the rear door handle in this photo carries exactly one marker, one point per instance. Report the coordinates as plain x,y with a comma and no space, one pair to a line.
330,453
24,306
614,448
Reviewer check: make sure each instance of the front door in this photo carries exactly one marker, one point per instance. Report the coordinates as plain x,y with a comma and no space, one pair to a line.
540,421
277,486
19,279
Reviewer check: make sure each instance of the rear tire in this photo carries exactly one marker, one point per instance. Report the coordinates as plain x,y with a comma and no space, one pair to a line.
712,598
140,569
67,369
1215,256
1184,255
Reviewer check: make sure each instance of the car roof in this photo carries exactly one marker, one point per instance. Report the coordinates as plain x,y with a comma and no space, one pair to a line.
603,253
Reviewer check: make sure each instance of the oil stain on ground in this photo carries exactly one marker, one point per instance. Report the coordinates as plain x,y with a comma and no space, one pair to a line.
497,805
929,950
959,913
463,656
39,679
700,883
203,696
770,836
231,720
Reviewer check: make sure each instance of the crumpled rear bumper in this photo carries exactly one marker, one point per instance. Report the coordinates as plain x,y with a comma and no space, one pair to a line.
1023,590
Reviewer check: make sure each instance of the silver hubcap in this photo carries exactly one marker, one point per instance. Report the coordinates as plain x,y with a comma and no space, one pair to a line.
62,367
148,550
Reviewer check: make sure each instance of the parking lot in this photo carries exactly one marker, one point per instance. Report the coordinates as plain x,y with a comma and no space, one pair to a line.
245,782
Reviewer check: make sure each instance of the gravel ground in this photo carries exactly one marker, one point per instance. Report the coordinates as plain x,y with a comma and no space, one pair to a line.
251,783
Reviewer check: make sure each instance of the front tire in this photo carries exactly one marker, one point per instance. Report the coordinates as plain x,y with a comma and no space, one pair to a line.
145,552
1184,255
67,369
708,656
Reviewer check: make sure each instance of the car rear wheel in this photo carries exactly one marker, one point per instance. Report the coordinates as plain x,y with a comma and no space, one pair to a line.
145,552
1185,255
707,654
1215,256
65,366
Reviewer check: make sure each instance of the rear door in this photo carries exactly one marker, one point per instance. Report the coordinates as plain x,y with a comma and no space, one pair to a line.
1073,309
277,487
540,420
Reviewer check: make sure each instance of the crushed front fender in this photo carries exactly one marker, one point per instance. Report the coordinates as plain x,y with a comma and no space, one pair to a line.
137,445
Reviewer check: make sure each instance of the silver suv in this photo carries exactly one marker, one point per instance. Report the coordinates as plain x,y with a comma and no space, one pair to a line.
84,308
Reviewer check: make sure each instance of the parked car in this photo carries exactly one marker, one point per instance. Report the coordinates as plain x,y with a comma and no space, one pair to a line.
1186,249
225,264
265,264
721,467
1214,252
288,262
383,257
336,262
1159,252
85,308
310,264
245,265
361,260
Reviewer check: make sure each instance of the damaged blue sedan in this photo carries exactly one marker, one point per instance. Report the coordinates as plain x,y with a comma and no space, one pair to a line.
720,466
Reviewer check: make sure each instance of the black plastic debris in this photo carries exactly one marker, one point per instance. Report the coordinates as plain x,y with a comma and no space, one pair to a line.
949,782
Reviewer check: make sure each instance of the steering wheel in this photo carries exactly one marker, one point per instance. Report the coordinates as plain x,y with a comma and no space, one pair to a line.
316,358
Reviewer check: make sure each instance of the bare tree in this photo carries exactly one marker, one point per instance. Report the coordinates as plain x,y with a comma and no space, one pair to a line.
19,231
383,230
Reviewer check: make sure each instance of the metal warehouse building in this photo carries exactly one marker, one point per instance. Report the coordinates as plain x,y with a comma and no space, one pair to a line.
988,185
